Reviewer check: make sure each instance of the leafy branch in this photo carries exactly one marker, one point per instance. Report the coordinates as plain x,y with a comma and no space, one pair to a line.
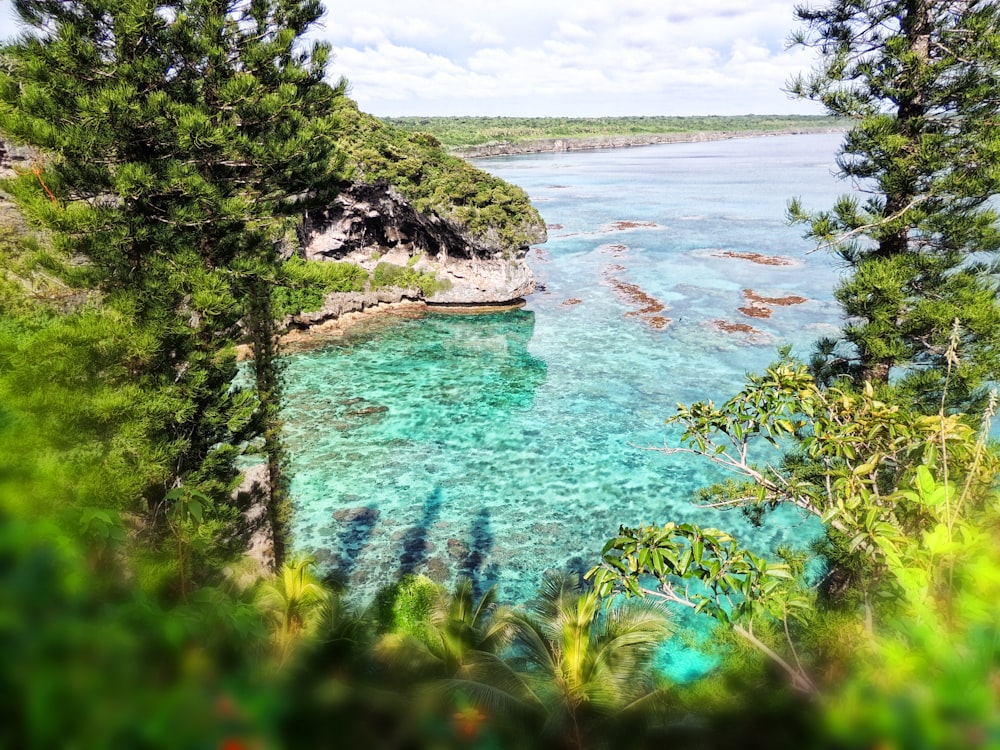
706,570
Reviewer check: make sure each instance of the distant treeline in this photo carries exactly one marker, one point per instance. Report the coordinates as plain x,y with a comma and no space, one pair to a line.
455,132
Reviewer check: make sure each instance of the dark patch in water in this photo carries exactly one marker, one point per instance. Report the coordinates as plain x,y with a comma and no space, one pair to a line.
416,546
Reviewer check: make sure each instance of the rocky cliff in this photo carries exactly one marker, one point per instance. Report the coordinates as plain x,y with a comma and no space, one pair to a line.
415,210
369,224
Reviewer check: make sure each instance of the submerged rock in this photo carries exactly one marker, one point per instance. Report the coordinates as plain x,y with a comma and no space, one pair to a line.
457,549
357,515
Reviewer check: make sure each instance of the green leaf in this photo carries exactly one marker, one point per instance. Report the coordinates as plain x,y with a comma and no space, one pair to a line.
938,541
925,481
697,548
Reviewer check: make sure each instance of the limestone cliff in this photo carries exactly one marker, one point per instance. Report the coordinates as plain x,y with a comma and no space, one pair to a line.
370,224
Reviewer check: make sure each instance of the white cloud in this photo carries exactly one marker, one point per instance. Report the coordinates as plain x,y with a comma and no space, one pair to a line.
626,57
550,57
366,25
747,51
8,24
367,36
481,33
572,31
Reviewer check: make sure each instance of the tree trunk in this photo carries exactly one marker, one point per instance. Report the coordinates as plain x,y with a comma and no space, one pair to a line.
260,321
875,370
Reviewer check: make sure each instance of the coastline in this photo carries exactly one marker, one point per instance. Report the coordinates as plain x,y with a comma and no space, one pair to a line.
554,145
331,329
309,337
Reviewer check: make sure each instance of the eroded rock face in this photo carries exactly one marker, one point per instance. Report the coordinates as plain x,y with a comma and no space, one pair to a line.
337,305
368,224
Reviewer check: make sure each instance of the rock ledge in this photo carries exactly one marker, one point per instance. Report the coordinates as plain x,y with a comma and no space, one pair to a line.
368,224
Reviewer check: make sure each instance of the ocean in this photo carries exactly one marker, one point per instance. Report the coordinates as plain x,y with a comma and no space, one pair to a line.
502,446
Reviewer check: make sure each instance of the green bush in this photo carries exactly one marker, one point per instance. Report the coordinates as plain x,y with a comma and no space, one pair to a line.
405,607
417,166
407,277
305,283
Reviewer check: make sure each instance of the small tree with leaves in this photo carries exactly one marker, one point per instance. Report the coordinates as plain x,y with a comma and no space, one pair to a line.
921,81
578,665
877,474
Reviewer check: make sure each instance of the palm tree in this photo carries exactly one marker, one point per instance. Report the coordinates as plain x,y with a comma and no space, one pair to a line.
458,628
461,625
575,660
295,602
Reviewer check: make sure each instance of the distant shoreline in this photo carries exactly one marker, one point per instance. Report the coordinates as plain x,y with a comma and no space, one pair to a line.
585,143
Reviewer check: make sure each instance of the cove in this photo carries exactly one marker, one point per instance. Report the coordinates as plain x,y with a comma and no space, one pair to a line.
501,446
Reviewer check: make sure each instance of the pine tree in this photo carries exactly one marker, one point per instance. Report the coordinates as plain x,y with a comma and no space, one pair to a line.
180,135
921,80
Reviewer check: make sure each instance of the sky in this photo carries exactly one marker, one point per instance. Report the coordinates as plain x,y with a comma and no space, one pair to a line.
570,58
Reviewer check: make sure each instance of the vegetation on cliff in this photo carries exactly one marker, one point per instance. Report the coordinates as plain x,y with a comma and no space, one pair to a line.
457,132
495,211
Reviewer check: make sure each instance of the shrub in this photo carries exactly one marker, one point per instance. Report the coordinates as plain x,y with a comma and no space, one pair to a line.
404,607
307,282
407,277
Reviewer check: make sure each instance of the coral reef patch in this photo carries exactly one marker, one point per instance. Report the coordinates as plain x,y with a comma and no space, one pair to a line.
645,306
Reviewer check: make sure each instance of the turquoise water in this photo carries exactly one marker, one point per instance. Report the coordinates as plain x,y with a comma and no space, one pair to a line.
502,446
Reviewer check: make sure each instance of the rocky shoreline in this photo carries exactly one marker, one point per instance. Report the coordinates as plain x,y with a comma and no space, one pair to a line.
346,311
371,225
547,145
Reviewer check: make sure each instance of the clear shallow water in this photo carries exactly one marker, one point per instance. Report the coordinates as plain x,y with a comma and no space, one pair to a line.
501,446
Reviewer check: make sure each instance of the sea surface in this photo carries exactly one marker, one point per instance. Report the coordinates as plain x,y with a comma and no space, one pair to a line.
502,446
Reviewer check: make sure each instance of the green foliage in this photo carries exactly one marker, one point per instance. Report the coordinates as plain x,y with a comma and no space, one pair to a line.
464,626
494,211
295,603
407,277
853,456
304,284
178,139
865,464
456,132
734,582
920,80
929,678
185,514
80,446
405,607
102,664
707,570
32,274
441,641
911,513
576,665
83,430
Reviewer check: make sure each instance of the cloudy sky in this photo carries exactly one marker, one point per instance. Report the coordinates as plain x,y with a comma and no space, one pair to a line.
561,57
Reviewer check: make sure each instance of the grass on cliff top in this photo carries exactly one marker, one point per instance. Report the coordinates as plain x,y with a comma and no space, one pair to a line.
456,132
496,212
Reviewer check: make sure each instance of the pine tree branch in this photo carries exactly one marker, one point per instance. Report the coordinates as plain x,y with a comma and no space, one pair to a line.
841,238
